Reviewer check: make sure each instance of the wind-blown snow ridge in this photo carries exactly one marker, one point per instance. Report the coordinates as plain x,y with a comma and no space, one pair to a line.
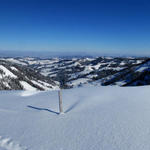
26,93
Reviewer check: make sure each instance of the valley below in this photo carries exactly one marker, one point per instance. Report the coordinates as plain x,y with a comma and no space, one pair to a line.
49,74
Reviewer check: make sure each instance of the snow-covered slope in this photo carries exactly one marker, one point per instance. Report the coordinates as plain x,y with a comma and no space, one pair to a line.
96,118
16,77
135,75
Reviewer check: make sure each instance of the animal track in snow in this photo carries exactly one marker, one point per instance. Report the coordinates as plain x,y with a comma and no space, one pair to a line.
8,144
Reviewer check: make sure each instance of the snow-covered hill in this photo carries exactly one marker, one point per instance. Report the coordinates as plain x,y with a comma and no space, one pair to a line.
18,77
96,118
101,70
135,75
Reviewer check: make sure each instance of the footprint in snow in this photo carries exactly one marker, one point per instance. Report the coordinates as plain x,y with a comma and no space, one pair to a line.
8,144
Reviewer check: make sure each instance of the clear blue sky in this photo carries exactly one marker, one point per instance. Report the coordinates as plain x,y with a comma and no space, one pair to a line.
102,26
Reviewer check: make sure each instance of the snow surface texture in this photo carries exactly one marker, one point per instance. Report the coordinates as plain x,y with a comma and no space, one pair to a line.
96,118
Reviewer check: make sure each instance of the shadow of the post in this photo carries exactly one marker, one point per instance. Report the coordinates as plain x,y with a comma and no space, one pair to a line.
42,109
72,106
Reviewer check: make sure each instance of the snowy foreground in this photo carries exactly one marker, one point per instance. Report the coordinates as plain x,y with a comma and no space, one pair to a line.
96,118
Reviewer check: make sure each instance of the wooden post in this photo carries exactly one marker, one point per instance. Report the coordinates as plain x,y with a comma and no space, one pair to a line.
60,102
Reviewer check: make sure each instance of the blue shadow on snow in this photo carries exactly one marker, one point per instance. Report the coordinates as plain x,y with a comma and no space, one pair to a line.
45,109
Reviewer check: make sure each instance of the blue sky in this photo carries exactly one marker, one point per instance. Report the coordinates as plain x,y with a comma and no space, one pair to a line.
105,27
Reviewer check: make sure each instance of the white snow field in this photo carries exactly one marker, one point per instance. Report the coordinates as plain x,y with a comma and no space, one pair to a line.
96,118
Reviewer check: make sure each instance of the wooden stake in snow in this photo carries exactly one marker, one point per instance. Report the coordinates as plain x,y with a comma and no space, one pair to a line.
61,77
60,102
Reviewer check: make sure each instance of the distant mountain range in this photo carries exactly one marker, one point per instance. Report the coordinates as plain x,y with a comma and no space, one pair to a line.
65,54
45,74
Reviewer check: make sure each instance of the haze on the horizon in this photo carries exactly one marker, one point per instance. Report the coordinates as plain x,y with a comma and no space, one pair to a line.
100,27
